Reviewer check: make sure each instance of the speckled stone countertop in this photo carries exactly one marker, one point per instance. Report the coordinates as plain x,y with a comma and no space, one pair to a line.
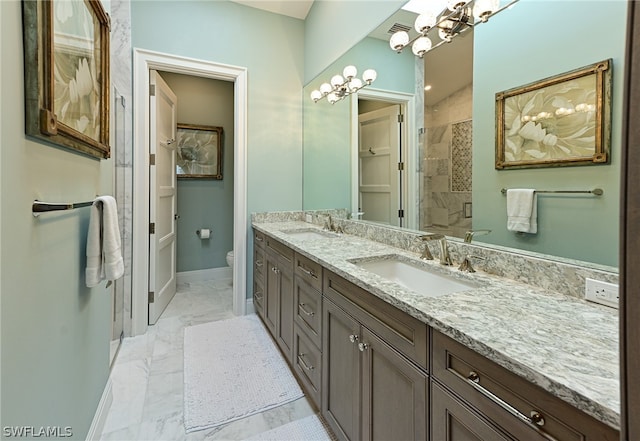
565,345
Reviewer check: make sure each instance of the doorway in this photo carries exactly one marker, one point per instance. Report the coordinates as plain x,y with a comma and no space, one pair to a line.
389,199
144,62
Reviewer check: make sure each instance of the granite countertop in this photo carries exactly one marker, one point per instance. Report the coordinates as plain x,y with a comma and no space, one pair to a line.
565,345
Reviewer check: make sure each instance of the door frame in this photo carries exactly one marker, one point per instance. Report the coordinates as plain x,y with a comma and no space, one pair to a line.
409,144
144,61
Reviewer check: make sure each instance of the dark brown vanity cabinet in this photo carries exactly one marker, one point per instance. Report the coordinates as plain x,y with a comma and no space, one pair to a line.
370,390
278,304
469,391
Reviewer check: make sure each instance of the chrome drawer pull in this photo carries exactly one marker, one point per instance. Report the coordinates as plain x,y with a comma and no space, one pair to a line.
308,272
353,338
536,418
363,347
258,295
259,239
302,362
305,311
258,263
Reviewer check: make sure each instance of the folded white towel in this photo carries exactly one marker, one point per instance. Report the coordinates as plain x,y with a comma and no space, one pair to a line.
104,255
522,211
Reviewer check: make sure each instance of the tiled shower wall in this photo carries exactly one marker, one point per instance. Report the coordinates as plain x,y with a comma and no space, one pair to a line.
446,206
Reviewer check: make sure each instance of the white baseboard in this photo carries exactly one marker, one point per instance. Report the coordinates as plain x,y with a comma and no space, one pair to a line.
100,417
249,309
205,274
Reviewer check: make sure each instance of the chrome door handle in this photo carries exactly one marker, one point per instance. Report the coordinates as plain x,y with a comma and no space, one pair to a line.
535,418
308,272
176,216
303,363
353,338
305,311
170,141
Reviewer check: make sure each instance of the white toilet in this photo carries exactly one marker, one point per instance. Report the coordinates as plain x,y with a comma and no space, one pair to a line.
230,259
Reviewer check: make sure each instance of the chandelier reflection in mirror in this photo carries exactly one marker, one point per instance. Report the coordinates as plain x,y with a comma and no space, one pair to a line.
341,86
448,17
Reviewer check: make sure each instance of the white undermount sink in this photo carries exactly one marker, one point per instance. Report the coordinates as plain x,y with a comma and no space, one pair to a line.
309,234
416,278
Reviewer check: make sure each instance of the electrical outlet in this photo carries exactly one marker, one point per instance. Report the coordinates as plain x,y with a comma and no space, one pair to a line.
602,292
308,218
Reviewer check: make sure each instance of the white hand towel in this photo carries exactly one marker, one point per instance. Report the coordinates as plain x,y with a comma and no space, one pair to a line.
522,211
104,255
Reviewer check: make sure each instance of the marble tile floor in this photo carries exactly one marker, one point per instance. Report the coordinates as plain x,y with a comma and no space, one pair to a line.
147,376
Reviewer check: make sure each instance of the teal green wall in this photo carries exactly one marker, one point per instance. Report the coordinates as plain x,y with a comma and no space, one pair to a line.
327,127
205,203
55,332
333,27
270,47
508,54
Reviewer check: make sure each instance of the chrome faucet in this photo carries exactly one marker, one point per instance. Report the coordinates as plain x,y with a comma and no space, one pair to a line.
444,250
329,225
468,236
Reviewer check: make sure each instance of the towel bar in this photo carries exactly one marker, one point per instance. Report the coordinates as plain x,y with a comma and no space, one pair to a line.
39,207
595,191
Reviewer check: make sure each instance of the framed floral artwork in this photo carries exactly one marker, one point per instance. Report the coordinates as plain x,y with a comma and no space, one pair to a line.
66,60
562,120
199,152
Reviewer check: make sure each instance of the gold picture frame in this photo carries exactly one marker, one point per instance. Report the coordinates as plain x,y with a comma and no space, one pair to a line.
66,62
199,152
563,120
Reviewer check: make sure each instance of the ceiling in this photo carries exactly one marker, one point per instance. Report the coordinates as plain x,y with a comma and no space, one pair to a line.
448,68
292,8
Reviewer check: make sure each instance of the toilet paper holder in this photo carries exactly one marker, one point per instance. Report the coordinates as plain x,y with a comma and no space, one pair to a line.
204,233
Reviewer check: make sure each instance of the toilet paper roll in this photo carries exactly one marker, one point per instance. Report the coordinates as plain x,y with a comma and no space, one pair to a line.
204,233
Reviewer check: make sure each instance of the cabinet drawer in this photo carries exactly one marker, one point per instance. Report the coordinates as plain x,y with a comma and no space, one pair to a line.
280,248
258,239
307,363
404,333
308,310
508,399
309,271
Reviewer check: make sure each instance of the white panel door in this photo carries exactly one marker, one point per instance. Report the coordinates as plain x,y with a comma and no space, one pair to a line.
378,157
162,195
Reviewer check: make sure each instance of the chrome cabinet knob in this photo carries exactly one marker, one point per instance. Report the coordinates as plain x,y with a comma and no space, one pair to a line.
363,347
353,338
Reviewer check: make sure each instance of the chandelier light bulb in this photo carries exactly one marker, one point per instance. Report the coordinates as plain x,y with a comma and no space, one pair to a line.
325,88
332,98
420,46
444,30
453,5
355,84
337,80
316,95
369,76
350,72
482,9
425,21
399,40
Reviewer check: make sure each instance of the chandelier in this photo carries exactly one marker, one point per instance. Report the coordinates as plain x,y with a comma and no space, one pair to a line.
341,86
450,18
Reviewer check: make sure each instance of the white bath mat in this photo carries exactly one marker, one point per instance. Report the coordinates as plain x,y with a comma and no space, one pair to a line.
305,429
232,369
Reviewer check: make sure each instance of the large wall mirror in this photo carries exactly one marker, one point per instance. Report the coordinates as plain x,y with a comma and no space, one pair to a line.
450,181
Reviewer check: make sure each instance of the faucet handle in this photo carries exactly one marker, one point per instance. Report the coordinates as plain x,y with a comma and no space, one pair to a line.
465,265
468,236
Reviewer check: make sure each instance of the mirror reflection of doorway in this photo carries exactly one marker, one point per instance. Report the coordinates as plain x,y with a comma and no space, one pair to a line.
380,164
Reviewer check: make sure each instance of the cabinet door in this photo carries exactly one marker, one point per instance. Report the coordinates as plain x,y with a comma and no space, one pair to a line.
270,304
394,393
284,323
453,421
340,372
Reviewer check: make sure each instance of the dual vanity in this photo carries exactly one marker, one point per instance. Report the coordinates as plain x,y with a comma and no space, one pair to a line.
390,346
